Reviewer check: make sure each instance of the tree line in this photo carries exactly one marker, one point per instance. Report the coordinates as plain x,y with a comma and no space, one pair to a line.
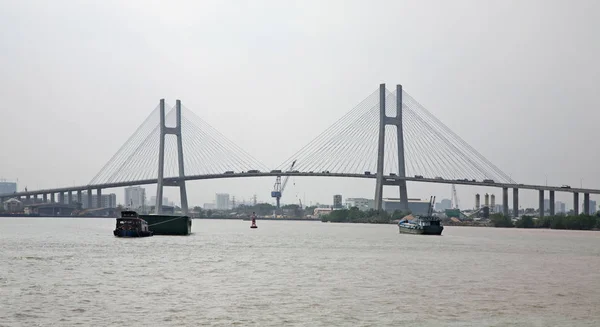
355,215
260,209
575,222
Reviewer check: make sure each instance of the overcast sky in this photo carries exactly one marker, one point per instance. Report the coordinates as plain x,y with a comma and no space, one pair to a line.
515,79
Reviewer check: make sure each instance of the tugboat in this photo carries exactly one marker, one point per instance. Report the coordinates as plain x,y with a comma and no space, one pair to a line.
131,225
424,225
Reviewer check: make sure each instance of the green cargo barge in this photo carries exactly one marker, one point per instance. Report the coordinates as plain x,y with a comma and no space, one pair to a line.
168,224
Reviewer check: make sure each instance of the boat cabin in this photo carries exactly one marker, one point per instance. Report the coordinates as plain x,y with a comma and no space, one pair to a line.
428,221
129,214
132,224
130,220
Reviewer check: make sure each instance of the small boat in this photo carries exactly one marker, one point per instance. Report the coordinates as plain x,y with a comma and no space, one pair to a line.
421,225
131,225
424,225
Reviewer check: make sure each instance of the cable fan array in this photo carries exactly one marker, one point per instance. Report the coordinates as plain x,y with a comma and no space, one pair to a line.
348,146
205,152
431,149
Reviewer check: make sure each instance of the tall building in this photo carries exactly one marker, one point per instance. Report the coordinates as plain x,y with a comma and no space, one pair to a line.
135,197
337,201
360,203
222,201
8,187
593,207
547,205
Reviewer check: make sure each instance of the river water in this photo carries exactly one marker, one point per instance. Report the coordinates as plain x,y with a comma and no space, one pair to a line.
73,272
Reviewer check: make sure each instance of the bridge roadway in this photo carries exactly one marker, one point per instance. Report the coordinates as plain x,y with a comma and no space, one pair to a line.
389,180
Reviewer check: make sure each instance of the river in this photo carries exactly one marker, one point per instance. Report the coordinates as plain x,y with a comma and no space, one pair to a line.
73,272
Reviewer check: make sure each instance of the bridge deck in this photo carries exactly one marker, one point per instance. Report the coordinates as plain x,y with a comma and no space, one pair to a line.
388,179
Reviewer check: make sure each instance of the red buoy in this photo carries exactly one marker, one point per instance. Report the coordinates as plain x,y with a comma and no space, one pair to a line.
253,221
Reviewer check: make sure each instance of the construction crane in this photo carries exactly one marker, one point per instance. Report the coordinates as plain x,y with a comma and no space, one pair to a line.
279,187
455,204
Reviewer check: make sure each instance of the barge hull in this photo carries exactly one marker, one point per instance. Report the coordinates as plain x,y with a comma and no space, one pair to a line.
168,225
429,230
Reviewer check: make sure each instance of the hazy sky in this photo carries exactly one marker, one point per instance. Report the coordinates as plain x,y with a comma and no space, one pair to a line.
516,79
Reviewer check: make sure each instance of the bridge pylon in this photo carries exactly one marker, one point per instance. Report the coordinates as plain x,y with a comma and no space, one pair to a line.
396,121
164,131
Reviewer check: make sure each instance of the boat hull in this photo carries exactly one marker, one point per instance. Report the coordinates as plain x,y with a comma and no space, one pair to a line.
131,233
426,230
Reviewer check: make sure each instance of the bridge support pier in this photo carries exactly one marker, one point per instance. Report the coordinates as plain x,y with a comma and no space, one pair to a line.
505,201
551,203
70,197
35,198
586,203
28,199
79,198
396,121
99,198
542,209
61,197
45,197
90,205
164,130
52,197
575,203
515,202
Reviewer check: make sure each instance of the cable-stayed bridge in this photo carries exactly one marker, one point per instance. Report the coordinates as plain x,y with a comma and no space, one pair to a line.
388,137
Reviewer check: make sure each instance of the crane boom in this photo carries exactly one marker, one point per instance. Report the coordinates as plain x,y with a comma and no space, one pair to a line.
455,204
287,178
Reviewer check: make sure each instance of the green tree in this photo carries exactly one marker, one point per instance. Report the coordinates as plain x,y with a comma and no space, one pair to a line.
198,211
309,210
209,213
499,220
525,222
263,209
399,214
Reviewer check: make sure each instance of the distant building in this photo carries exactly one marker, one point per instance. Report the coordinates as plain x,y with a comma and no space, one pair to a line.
222,201
337,201
560,207
135,197
443,205
547,205
13,205
360,203
7,188
498,208
593,207
106,200
153,201
416,206
321,211
51,209
209,206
